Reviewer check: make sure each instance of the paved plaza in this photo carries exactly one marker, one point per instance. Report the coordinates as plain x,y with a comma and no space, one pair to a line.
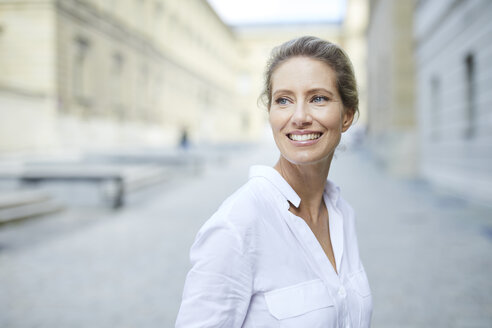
427,254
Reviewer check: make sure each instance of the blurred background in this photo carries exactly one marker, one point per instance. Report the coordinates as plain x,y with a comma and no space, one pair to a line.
125,124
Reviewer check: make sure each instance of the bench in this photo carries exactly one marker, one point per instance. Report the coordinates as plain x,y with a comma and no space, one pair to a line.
21,204
124,178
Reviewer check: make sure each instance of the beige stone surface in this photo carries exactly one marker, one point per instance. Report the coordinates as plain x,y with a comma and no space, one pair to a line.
391,87
109,74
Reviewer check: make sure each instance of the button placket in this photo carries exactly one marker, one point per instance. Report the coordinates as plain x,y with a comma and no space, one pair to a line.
319,261
342,292
342,300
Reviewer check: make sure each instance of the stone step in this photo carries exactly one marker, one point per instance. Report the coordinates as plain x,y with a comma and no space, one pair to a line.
22,204
25,211
14,198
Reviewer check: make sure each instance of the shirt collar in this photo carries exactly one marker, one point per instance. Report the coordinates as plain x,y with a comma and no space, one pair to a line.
274,177
277,180
333,191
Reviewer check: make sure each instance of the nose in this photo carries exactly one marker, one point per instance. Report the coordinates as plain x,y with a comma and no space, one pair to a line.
302,116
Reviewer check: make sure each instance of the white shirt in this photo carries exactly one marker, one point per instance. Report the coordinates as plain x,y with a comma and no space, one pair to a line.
256,264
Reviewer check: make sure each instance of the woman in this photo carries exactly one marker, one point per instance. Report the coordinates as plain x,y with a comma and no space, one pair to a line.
282,250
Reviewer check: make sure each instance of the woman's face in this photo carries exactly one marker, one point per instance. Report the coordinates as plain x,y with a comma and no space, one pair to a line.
307,115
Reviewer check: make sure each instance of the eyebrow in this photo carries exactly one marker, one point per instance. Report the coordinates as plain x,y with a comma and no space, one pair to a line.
321,90
310,91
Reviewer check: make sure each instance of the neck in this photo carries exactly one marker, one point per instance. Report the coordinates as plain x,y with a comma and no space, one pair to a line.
308,181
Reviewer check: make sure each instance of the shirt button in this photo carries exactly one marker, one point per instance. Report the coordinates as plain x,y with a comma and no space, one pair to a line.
341,292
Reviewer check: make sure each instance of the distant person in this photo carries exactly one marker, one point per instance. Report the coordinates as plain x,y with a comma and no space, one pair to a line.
282,250
184,142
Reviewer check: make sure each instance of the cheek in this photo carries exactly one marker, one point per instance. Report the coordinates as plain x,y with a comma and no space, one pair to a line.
276,121
332,120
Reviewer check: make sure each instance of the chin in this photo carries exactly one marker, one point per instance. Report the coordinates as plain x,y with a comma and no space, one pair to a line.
308,159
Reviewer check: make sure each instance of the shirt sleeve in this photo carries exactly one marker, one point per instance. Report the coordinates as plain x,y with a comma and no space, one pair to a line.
218,287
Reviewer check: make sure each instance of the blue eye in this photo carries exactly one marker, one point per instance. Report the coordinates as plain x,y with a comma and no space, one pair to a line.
319,99
282,101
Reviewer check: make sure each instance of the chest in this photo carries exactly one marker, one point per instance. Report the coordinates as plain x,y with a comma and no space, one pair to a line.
320,228
322,235
290,250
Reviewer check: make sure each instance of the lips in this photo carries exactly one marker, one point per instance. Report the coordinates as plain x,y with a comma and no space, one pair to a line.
304,136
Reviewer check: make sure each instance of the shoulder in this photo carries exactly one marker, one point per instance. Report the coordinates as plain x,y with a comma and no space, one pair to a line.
244,200
240,213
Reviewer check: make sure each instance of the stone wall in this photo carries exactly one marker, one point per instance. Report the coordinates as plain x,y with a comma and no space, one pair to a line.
119,73
391,90
454,83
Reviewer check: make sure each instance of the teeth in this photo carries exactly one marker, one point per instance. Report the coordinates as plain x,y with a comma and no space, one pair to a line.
304,137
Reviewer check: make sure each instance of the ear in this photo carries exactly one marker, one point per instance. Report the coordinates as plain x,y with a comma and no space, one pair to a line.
347,118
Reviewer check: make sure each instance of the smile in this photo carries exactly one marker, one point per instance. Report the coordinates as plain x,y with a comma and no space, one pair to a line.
304,137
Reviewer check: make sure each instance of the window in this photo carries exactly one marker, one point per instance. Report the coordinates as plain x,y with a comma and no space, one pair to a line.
80,72
117,69
436,107
142,94
471,110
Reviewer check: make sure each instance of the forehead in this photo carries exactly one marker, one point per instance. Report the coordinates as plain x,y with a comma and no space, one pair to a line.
303,72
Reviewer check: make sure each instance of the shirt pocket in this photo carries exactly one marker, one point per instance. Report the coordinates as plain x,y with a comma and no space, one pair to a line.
308,304
362,299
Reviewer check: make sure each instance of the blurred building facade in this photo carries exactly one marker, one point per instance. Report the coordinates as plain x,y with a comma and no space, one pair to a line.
391,91
453,52
354,42
429,82
82,74
94,73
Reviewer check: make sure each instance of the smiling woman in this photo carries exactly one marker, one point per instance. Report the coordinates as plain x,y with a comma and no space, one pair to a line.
282,250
